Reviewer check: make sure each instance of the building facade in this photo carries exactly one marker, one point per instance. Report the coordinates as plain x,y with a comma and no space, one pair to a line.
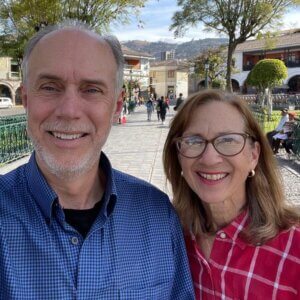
169,78
10,80
285,46
137,67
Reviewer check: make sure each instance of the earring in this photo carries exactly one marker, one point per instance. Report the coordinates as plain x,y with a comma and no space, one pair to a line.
251,174
181,173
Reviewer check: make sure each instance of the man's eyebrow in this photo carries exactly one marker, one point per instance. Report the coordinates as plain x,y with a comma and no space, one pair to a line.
48,76
44,76
93,81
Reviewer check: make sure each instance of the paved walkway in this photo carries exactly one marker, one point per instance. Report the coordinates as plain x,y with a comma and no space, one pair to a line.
136,148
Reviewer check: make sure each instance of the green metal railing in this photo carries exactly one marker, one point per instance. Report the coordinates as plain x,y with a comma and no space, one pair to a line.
14,142
12,119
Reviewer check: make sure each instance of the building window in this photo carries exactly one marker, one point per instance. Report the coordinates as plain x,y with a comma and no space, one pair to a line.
171,74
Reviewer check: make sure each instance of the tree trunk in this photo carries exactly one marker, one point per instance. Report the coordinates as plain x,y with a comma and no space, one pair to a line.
268,92
231,48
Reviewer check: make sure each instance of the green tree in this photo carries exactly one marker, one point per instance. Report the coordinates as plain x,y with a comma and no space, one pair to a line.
20,19
216,60
267,74
238,19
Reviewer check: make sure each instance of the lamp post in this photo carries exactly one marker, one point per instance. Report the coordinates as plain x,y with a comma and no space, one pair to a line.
206,67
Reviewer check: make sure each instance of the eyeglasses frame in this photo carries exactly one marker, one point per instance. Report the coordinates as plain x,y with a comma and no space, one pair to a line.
211,141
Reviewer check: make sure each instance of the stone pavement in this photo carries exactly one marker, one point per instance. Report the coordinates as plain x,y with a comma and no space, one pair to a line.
136,148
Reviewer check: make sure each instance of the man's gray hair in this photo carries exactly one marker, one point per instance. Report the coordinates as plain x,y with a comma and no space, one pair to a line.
111,40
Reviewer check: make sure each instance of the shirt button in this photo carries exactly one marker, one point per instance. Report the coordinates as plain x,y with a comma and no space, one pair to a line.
223,235
74,240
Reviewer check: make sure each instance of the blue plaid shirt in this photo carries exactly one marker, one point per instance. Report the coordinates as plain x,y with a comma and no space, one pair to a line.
134,249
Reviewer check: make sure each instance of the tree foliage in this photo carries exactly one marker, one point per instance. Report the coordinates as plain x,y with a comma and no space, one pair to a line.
215,58
267,74
238,19
20,19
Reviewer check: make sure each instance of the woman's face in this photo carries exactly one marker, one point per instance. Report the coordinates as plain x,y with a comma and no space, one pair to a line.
216,178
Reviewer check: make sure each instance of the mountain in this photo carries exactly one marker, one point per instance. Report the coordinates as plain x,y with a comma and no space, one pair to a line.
183,50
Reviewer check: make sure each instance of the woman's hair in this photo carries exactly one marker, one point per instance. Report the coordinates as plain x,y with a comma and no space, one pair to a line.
268,210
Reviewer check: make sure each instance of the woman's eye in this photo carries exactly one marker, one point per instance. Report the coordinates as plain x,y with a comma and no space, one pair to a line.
193,141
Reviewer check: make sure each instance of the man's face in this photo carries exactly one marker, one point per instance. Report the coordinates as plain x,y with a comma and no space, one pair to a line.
70,99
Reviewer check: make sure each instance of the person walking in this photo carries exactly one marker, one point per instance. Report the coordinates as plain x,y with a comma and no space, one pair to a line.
157,108
149,106
179,102
163,109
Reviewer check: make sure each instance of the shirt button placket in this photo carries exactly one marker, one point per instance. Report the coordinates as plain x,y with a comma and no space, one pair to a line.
74,240
223,235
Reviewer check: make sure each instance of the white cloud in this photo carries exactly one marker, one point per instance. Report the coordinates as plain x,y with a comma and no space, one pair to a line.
156,16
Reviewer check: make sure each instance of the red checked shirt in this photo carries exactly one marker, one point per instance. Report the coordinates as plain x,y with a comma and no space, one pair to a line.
237,270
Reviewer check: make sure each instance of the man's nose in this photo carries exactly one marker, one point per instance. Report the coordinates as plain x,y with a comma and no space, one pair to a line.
69,104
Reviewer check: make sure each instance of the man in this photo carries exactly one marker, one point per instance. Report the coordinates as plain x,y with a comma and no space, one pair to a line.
71,227
284,118
179,102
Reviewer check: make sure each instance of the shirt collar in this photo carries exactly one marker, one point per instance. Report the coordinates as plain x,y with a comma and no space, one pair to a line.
232,230
236,227
45,196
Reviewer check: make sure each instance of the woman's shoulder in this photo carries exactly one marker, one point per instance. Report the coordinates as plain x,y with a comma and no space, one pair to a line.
287,241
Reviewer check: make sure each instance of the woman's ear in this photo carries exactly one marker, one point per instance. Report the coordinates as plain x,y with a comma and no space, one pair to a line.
255,153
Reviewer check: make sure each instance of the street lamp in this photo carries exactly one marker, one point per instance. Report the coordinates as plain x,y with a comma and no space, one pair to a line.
206,67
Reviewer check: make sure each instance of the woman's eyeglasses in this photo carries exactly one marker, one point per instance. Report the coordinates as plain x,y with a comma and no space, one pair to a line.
229,144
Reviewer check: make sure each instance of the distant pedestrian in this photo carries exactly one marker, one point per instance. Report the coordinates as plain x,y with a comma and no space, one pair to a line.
157,107
150,108
179,102
163,109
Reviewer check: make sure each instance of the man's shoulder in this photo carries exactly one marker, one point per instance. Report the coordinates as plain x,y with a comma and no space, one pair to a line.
129,186
135,182
12,179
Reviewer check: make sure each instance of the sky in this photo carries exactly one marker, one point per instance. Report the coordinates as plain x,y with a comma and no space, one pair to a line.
156,17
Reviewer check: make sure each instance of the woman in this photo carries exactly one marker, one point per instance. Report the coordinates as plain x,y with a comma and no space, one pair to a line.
242,240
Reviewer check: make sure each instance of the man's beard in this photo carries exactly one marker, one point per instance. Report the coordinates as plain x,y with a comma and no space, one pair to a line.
70,168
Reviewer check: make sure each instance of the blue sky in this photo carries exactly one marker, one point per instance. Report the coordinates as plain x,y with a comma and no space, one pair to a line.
156,17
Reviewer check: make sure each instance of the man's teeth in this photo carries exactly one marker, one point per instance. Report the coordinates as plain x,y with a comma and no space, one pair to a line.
213,176
66,136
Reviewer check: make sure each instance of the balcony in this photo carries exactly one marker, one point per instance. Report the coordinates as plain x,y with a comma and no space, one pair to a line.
13,75
248,67
292,64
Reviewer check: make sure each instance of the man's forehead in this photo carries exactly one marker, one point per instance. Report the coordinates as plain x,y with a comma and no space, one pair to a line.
71,35
63,44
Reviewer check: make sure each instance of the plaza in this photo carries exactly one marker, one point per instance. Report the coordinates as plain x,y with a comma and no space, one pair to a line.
136,147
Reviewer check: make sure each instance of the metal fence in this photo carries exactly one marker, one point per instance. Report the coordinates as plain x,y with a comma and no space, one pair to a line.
292,102
14,142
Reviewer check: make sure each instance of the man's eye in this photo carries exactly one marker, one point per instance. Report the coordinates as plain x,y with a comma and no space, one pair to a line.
48,88
92,90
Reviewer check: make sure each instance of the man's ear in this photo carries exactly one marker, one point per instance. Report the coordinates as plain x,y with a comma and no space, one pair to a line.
118,109
24,95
